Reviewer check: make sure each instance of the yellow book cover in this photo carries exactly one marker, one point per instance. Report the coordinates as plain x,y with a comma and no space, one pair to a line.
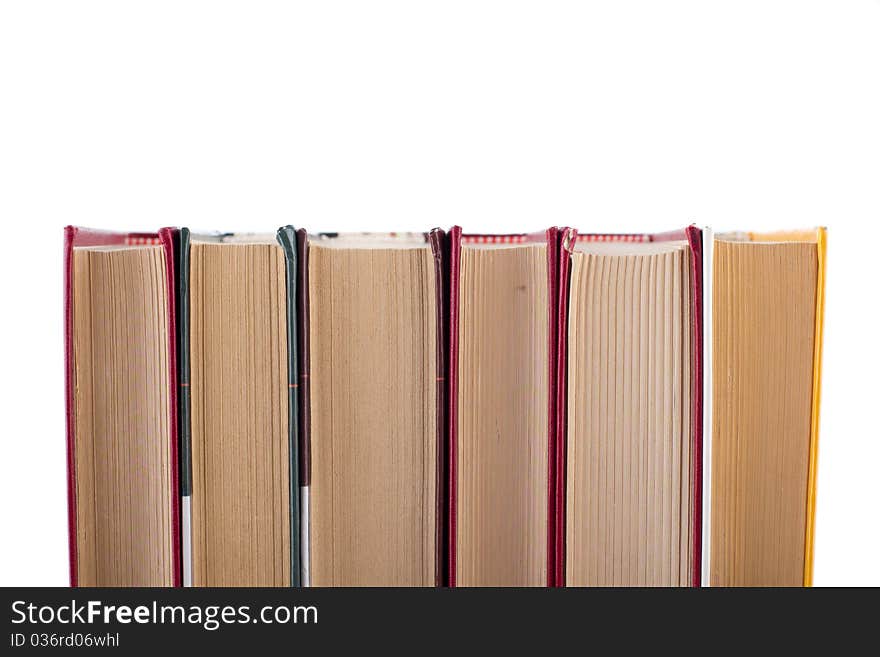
820,236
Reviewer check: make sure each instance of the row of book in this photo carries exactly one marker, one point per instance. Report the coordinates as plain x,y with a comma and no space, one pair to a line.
442,409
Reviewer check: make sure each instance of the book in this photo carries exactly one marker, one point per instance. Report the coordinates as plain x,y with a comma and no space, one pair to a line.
502,405
376,336
240,493
634,425
560,408
768,300
121,398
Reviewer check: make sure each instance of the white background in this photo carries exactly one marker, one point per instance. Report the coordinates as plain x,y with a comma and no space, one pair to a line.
499,116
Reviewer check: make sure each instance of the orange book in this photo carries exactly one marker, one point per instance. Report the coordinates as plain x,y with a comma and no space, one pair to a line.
767,306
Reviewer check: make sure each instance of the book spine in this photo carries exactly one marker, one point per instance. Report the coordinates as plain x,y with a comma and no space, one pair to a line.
552,238
305,411
452,370
695,242
184,418
812,474
440,249
566,239
69,383
168,237
287,238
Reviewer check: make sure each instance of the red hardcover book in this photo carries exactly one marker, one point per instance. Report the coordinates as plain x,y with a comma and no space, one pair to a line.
504,408
121,401
615,287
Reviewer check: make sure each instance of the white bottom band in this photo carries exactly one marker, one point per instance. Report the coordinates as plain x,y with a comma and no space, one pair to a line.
186,538
304,534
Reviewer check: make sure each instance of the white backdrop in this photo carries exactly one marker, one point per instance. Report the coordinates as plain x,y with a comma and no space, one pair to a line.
499,116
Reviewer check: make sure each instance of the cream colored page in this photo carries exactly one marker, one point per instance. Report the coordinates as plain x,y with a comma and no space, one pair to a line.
122,418
373,416
240,456
502,417
764,328
629,444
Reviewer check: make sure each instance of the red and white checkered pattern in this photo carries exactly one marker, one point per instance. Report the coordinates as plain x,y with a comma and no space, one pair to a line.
613,238
493,239
141,240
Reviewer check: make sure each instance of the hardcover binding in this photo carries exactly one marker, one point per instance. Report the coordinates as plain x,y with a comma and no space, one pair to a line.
73,237
287,238
456,239
184,416
553,316
566,240
305,409
695,241
812,476
568,237
302,303
440,250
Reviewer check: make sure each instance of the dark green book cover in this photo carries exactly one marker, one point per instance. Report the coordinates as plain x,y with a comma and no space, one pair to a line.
287,239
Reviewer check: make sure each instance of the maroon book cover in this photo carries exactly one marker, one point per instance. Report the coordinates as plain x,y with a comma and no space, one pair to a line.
81,237
694,237
551,238
566,240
